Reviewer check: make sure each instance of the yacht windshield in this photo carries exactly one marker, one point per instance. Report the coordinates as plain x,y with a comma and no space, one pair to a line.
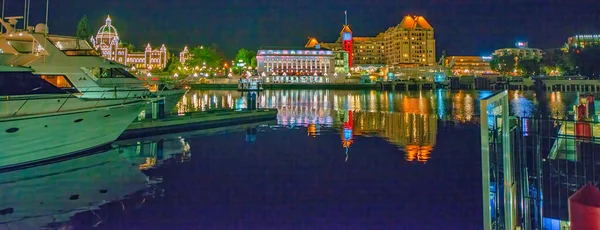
111,73
73,46
22,46
25,83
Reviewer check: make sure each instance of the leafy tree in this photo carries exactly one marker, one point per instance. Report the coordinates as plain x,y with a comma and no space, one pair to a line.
205,56
83,29
130,48
557,60
586,61
529,67
504,64
253,62
242,55
170,59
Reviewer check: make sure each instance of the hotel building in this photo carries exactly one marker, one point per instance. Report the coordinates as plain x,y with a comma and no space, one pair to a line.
522,50
410,42
108,43
581,41
296,62
468,65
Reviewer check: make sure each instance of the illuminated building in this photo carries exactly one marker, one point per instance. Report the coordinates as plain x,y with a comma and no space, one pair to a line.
410,42
469,65
108,43
296,62
184,55
581,41
521,50
341,57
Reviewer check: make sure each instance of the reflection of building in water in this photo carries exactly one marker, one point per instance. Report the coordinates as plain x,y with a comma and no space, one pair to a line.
251,135
313,130
347,131
299,107
152,153
415,132
303,107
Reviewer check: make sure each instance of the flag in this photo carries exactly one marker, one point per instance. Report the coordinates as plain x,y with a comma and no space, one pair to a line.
345,12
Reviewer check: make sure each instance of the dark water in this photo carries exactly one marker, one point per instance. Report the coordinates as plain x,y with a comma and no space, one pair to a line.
332,160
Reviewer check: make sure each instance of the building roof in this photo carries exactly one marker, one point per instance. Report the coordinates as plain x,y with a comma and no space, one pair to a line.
345,29
290,48
412,22
108,28
312,42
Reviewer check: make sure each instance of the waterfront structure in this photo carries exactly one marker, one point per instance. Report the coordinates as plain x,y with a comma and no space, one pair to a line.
184,55
301,62
468,65
521,50
410,42
581,41
107,41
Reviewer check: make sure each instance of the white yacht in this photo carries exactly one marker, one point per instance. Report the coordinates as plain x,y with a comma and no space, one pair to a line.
39,121
51,194
73,65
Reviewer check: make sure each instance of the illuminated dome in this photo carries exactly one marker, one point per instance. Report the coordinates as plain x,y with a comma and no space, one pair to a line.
107,33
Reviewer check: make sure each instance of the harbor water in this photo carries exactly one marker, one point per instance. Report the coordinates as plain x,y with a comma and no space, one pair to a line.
333,159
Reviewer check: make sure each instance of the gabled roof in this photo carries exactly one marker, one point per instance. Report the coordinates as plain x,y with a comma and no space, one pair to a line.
312,42
345,29
412,22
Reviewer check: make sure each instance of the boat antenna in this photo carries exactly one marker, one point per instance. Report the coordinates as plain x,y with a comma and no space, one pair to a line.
47,5
2,28
46,29
28,9
25,16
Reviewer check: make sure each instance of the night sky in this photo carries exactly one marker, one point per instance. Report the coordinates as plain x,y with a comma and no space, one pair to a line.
462,27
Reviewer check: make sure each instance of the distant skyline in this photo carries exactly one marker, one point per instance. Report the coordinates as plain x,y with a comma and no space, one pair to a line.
462,27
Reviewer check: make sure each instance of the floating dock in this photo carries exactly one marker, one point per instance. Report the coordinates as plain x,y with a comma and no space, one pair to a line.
196,120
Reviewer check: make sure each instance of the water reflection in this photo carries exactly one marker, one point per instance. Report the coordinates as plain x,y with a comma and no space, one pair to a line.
405,119
50,195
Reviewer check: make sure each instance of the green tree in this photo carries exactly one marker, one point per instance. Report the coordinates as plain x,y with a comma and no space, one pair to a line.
586,61
205,56
529,67
130,47
504,64
242,56
83,29
253,62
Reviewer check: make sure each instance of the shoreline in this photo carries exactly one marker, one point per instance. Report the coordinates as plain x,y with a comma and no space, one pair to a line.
291,86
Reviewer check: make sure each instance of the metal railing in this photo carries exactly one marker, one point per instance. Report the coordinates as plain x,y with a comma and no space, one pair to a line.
553,158
80,96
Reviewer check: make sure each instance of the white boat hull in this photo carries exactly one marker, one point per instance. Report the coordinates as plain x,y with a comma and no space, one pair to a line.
31,139
55,192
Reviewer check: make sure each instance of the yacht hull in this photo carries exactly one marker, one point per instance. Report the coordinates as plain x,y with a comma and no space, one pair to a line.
32,139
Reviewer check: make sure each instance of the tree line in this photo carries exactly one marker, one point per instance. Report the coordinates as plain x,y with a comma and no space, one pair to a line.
572,61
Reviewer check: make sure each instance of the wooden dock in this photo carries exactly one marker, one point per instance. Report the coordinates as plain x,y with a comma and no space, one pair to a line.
196,120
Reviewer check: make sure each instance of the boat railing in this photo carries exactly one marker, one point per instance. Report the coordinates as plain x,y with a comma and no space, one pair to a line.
28,98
